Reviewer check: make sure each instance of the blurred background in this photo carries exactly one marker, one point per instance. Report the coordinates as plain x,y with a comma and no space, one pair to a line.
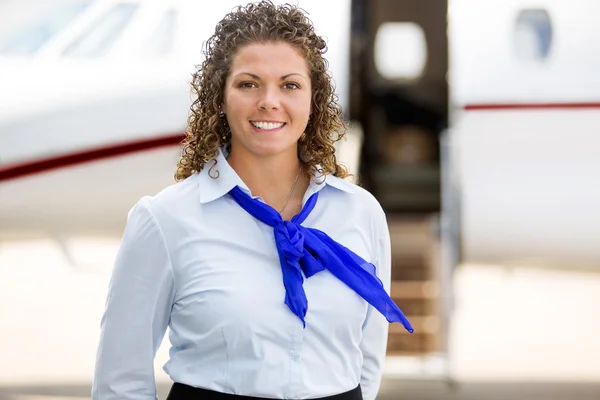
475,124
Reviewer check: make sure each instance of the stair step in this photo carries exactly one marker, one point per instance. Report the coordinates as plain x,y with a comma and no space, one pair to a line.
414,289
423,325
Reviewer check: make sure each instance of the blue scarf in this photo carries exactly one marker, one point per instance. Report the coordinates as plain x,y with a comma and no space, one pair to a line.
308,251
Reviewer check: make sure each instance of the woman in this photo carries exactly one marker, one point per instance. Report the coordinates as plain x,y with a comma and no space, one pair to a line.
264,262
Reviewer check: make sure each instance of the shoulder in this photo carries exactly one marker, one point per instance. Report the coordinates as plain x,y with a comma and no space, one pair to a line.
169,200
361,199
361,210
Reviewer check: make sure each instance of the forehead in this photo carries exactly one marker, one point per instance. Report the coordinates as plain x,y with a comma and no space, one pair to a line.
269,58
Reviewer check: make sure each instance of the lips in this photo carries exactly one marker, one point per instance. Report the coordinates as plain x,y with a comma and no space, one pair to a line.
267,125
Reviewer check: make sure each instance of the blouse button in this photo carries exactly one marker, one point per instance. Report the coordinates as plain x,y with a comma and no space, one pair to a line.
295,356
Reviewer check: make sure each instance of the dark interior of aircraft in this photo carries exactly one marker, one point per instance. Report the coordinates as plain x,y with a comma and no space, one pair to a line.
399,96
402,117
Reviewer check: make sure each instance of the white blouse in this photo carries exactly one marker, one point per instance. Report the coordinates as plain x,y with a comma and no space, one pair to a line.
192,260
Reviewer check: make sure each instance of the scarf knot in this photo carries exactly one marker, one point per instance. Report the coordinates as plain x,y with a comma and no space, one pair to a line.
291,241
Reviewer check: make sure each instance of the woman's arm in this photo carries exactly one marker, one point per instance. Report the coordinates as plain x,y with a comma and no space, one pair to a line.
375,328
137,311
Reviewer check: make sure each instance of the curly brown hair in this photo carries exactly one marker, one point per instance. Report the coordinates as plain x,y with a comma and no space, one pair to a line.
261,22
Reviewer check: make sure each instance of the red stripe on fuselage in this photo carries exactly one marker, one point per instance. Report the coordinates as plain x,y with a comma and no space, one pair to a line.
21,170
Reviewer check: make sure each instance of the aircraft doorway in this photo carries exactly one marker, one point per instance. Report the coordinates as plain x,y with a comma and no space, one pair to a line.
399,96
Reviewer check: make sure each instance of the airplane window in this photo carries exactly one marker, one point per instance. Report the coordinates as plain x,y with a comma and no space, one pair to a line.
533,35
400,50
29,37
100,36
161,40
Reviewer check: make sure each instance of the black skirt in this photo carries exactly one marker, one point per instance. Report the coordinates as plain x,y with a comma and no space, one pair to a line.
179,391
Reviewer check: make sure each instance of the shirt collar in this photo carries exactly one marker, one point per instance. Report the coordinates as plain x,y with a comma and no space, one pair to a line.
319,181
216,181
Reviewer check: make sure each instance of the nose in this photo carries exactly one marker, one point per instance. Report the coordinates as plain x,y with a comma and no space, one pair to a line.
269,99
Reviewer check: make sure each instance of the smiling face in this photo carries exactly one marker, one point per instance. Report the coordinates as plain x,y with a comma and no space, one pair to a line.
267,100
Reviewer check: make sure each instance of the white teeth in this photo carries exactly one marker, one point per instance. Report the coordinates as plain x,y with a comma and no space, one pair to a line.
267,125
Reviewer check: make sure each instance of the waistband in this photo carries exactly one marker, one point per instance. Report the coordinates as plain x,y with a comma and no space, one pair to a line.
180,391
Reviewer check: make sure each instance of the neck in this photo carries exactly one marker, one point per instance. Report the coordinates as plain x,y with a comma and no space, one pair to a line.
271,178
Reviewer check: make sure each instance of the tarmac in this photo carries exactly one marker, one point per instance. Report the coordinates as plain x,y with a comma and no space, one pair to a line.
391,389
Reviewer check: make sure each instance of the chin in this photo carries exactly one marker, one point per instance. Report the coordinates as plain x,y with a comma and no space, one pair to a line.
269,151
272,147
260,147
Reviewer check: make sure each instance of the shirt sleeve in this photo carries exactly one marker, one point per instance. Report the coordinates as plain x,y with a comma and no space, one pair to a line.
137,312
375,328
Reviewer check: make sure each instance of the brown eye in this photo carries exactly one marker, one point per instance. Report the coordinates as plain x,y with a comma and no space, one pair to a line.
291,86
246,85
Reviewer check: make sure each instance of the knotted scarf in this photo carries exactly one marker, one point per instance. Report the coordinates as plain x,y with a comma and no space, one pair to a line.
308,250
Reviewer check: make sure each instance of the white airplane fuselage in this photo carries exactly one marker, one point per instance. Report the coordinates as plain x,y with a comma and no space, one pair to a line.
523,137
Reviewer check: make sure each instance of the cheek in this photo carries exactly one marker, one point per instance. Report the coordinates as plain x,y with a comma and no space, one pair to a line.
233,97
304,106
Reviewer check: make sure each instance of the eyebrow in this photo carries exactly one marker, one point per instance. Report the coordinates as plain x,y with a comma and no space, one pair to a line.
254,76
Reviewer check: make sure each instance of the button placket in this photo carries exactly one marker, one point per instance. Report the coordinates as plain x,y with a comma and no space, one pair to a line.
296,362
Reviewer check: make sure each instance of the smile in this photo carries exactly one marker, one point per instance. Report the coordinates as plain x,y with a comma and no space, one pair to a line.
267,126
